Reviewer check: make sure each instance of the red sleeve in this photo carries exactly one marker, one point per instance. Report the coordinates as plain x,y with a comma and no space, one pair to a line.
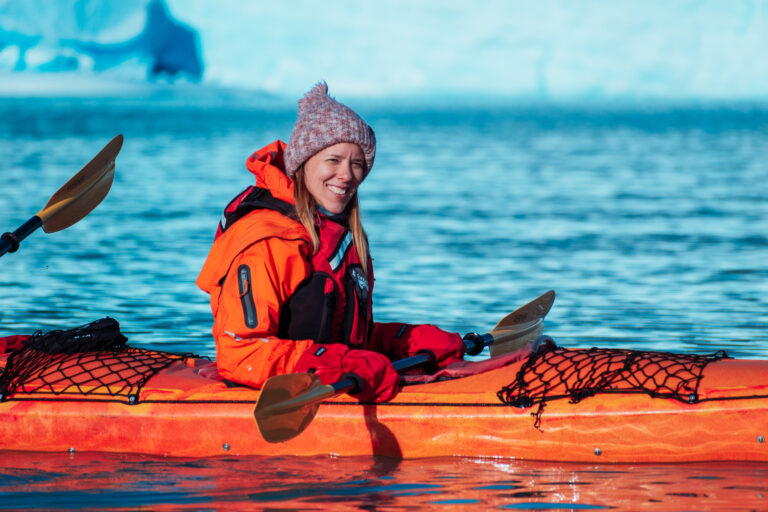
258,283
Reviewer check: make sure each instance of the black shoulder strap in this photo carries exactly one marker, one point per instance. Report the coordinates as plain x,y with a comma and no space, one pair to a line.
258,199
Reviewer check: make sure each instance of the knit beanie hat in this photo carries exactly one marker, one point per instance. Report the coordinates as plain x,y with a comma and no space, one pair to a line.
323,122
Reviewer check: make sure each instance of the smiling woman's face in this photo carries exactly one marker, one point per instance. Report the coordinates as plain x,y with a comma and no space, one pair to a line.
333,175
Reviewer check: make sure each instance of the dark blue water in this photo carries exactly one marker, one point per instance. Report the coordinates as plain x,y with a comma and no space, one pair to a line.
651,223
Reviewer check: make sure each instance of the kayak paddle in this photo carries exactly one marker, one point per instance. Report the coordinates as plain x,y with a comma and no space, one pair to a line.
288,403
76,199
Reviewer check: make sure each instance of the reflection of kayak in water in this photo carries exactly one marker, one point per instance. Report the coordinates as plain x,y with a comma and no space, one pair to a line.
515,405
353,483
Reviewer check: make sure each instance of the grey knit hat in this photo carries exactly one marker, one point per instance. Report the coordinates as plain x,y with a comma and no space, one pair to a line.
323,122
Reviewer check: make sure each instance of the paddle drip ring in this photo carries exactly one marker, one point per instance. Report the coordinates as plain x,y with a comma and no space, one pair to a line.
556,373
12,239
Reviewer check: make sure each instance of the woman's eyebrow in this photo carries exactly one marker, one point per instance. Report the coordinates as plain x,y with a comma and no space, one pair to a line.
354,159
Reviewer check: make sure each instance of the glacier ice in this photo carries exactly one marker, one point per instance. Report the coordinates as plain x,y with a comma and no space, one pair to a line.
591,50
94,36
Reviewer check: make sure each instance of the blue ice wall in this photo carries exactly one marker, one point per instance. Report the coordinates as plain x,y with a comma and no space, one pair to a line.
586,50
97,35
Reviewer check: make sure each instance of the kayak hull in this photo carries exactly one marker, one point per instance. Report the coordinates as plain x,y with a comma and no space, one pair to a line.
183,412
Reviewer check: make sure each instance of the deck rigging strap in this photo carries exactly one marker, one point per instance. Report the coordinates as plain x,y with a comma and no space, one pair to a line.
93,359
556,373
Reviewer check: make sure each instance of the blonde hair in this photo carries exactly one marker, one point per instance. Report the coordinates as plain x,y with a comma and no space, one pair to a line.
306,211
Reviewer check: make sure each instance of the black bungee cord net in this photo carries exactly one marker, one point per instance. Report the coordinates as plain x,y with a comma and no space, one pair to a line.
93,359
556,373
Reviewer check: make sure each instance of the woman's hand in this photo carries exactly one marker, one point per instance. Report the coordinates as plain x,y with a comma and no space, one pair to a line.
447,347
376,377
405,340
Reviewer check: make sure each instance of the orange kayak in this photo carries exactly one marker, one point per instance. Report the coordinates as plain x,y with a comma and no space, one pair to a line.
185,409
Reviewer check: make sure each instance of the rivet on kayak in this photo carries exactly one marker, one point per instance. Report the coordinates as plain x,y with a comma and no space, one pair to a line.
226,447
71,449
132,399
760,439
598,451
692,398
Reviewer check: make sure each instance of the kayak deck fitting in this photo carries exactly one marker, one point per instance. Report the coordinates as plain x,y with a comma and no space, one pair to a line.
629,406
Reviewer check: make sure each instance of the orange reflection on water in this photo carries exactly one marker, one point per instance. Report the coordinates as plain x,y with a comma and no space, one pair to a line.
127,482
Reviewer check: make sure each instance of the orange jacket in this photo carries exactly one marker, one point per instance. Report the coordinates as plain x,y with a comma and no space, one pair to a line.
278,253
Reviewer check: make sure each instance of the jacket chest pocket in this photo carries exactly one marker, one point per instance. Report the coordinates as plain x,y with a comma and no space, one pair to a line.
308,314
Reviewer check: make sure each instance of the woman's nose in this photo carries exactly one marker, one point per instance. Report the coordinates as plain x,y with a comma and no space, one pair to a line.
345,171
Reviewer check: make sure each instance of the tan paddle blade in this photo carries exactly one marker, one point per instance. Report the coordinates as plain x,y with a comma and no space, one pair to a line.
507,341
534,310
84,192
288,404
522,326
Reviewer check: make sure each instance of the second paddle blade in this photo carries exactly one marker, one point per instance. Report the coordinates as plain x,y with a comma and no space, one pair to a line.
83,192
278,425
506,341
534,310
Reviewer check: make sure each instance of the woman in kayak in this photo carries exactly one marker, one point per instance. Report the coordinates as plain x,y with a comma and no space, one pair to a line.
289,273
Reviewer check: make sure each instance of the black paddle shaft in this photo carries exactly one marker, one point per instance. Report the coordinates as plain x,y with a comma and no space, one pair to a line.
409,363
351,382
9,242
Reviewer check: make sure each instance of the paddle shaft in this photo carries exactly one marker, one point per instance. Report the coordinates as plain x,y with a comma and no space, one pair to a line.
349,384
401,365
323,392
409,363
10,241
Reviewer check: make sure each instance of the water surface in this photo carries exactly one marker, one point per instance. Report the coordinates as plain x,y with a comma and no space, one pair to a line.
650,223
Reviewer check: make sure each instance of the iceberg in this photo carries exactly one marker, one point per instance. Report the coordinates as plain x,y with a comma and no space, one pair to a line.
84,38
590,51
